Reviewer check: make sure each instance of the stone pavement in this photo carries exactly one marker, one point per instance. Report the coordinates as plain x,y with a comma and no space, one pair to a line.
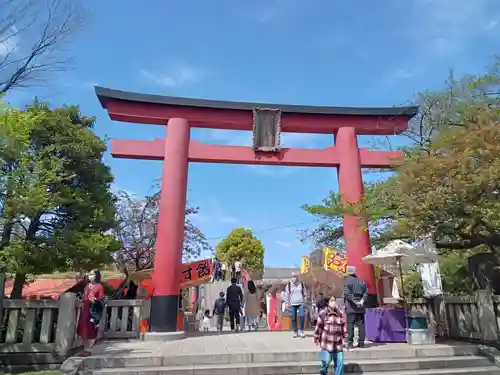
225,343
270,353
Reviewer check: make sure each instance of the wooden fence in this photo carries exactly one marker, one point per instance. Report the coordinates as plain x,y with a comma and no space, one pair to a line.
474,317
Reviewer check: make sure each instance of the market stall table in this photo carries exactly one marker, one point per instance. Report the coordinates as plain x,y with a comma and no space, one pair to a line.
385,325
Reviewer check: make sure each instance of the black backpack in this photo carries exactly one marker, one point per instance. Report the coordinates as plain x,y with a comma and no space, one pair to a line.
220,306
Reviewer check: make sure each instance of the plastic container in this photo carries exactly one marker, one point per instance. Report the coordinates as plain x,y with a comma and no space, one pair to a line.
417,322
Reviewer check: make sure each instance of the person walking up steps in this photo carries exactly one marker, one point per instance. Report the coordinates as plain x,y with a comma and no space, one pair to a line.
296,297
234,300
217,270
219,311
252,306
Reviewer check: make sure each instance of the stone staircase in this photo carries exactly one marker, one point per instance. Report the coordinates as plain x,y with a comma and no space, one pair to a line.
388,360
210,292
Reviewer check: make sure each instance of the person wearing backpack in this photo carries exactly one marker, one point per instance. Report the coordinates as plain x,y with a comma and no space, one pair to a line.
296,298
219,311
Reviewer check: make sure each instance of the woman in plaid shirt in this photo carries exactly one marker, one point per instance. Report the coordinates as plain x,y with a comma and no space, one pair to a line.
331,335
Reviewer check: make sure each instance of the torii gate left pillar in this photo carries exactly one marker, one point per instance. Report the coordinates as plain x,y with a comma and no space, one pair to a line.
170,228
176,151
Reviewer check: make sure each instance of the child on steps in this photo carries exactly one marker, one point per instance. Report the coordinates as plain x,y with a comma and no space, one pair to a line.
330,335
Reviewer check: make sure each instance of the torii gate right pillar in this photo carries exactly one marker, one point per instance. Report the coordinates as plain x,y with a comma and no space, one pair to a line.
356,235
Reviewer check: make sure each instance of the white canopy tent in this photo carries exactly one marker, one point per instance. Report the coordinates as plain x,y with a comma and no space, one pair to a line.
401,253
397,252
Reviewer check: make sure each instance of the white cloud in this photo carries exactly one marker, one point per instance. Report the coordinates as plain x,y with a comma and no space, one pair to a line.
270,11
444,27
176,76
89,85
402,73
491,25
9,42
214,213
395,76
283,243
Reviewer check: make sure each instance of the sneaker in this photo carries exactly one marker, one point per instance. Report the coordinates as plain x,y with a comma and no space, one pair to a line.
361,345
295,334
350,346
302,334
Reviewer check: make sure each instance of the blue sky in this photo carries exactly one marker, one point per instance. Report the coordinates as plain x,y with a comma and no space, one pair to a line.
360,53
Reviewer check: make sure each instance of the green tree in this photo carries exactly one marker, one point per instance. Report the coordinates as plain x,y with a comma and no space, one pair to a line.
56,203
447,186
242,245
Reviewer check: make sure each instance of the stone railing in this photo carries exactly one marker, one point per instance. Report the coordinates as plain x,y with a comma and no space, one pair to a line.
30,326
50,326
122,319
474,317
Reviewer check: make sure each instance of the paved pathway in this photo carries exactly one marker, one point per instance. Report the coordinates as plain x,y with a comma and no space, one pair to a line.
227,342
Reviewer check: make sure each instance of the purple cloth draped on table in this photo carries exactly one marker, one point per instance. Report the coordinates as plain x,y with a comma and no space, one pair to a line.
385,325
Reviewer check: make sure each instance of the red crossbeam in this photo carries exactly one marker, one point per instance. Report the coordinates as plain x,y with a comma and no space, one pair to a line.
205,153
147,113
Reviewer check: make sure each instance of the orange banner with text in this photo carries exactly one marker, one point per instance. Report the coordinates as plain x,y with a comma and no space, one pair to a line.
194,273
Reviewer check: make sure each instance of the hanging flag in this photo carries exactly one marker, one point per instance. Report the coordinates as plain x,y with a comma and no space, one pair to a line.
306,264
334,261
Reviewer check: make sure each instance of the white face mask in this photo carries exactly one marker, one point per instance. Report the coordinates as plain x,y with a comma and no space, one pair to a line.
92,277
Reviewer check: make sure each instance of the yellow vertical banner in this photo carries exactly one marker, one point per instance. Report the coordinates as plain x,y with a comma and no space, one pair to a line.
334,260
306,264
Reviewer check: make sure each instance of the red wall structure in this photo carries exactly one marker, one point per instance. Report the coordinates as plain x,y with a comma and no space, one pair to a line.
176,151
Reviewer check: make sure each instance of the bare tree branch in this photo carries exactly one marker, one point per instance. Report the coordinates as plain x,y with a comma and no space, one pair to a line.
33,37
136,229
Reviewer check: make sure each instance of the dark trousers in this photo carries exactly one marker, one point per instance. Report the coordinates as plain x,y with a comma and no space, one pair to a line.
220,322
234,316
356,319
217,275
237,274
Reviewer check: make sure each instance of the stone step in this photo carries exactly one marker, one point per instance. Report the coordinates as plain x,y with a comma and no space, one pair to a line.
448,366
293,355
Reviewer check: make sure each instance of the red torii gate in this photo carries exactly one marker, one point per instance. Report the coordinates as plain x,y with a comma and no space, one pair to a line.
176,150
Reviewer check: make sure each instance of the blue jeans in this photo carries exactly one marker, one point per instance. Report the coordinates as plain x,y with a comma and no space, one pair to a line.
338,362
298,310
